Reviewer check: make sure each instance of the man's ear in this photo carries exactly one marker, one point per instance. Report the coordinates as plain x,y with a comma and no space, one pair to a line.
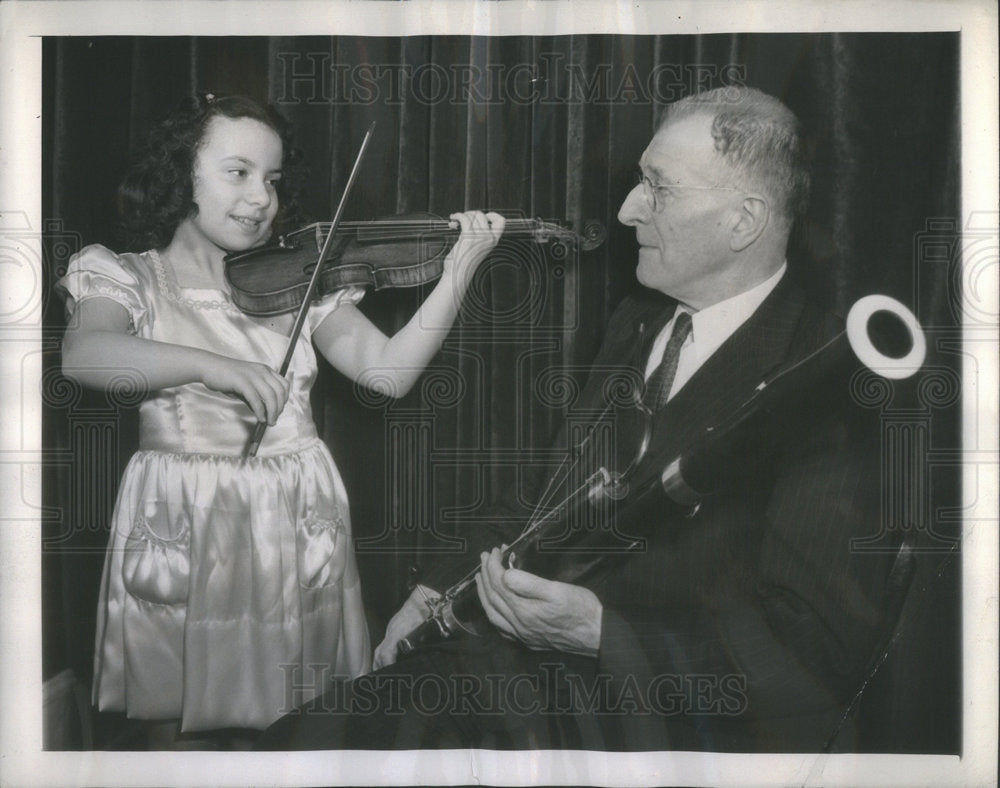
751,219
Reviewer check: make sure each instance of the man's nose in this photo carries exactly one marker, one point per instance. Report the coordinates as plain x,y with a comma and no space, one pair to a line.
634,209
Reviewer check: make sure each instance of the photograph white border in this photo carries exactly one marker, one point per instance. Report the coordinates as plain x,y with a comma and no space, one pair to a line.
24,22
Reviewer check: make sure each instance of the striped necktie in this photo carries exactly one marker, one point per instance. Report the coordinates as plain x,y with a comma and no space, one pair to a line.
659,383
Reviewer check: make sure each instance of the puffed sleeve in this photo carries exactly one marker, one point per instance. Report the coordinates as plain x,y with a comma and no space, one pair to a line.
97,272
321,310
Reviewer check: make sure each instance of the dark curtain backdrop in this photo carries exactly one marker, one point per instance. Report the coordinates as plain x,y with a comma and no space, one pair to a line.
551,127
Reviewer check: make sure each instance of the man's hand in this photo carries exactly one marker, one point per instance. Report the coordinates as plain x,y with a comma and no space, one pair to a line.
543,614
413,612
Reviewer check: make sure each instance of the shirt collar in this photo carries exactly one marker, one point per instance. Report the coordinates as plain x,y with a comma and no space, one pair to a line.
713,325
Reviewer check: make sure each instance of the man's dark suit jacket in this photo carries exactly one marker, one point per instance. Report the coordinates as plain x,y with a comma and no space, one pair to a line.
753,620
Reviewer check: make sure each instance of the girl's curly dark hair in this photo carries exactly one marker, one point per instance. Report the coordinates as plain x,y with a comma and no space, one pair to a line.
157,193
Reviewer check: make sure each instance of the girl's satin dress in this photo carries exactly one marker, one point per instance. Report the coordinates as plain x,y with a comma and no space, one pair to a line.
230,591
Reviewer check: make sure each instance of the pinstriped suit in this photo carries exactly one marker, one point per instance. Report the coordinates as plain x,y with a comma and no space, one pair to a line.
761,586
758,600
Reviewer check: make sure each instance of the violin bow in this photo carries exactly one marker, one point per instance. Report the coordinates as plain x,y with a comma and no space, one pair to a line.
300,318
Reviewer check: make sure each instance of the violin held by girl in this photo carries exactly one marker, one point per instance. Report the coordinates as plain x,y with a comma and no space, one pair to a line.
229,582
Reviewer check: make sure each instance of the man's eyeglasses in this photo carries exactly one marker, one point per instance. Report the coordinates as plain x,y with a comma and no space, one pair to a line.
657,194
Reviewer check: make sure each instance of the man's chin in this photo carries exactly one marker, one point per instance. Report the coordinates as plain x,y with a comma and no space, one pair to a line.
648,266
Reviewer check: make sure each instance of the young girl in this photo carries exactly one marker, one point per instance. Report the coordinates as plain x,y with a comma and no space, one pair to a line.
230,592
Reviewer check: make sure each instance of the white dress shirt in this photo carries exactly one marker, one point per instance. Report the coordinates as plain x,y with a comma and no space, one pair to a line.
710,327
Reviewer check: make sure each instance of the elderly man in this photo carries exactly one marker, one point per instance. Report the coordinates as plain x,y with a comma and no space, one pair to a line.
745,628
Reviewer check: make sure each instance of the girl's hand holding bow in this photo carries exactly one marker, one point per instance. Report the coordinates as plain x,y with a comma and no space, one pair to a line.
259,386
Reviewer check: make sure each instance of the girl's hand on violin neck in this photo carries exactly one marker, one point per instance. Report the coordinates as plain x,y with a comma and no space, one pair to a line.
480,234
354,346
259,386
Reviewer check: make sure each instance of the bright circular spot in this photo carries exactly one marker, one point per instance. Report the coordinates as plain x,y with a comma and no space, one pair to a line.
864,348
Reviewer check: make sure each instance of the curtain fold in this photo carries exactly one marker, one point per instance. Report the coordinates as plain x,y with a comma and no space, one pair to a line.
549,126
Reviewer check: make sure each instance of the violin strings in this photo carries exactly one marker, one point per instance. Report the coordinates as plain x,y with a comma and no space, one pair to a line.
533,524
431,225
560,476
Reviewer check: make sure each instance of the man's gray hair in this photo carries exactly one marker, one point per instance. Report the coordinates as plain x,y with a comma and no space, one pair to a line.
759,137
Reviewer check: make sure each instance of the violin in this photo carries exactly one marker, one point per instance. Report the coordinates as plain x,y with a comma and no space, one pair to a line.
290,275
400,251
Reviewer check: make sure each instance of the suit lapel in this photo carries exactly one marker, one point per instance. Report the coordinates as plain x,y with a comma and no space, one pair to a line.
730,374
625,350
654,312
